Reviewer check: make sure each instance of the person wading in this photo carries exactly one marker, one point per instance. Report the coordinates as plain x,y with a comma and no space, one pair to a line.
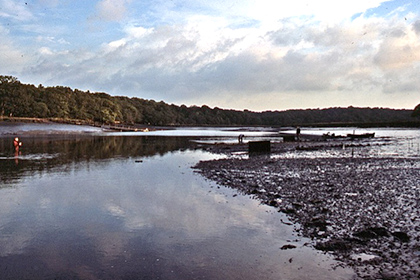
17,144
298,133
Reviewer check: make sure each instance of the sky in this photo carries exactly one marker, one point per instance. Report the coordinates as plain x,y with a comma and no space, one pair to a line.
241,54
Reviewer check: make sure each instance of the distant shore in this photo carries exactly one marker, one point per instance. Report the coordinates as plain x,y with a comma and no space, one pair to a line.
111,127
46,120
135,127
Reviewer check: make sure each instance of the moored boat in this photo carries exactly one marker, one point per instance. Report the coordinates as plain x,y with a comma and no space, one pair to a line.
360,136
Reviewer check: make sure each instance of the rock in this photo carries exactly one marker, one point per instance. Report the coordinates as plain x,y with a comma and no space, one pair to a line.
288,210
402,236
317,222
363,257
288,246
334,245
388,275
371,233
297,205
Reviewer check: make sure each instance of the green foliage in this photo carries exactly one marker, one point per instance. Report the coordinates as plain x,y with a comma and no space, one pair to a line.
8,79
21,100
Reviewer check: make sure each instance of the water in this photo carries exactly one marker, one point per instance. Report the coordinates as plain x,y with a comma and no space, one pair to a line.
130,207
45,128
83,204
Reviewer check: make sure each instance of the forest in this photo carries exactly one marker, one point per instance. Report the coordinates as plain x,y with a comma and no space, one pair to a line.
59,102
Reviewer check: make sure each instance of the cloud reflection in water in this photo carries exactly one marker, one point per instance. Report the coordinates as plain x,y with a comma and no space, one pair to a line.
104,216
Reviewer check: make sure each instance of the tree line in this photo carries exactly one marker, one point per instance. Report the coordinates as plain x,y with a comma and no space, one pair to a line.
25,100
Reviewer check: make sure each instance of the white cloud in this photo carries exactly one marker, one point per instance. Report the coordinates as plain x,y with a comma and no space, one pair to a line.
174,63
45,51
271,11
399,50
11,58
51,40
112,10
234,57
416,27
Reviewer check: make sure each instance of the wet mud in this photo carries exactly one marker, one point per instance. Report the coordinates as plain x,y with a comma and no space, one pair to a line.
365,211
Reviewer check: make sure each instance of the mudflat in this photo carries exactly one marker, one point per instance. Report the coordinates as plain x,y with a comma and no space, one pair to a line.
363,210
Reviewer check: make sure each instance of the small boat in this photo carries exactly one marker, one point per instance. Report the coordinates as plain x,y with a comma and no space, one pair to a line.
327,136
361,136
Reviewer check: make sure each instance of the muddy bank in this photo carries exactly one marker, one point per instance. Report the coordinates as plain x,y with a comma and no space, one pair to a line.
365,211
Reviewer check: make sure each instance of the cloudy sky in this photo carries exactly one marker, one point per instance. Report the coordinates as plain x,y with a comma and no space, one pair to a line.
241,54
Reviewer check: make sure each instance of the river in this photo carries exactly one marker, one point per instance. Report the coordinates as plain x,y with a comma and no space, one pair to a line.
91,205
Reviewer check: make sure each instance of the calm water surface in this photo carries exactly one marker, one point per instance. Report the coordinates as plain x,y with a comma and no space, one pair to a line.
131,207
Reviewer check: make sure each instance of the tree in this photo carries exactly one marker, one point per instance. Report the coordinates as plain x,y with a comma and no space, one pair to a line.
40,109
21,100
416,112
8,79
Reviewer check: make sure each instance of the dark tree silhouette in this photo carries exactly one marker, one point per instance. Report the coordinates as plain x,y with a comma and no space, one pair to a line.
22,100
416,112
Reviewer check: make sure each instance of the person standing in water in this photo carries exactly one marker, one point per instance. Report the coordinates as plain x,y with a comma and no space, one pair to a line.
241,138
17,144
298,133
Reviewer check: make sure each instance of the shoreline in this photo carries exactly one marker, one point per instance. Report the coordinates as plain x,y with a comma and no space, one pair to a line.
110,127
396,124
364,211
45,120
